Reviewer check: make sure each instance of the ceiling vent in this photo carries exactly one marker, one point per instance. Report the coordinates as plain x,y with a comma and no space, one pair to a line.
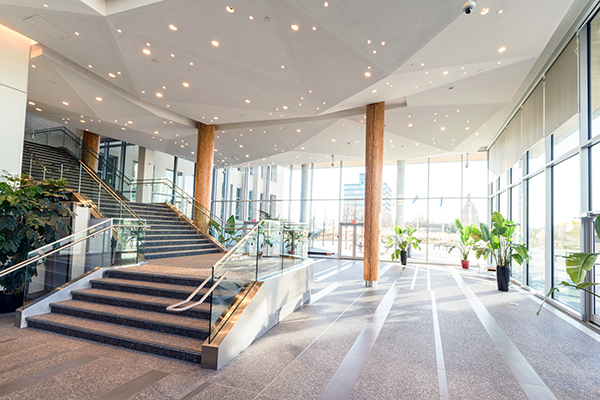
46,27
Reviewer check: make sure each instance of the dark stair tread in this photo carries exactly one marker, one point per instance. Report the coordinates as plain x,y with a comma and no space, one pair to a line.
181,248
170,254
147,285
130,313
139,298
123,332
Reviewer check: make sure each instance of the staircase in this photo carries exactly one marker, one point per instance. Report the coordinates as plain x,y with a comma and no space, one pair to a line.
127,308
168,236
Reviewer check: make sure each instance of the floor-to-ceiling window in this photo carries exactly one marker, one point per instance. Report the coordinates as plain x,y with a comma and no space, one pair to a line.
537,232
566,234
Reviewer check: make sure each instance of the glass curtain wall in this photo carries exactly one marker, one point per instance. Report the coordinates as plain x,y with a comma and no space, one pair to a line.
427,194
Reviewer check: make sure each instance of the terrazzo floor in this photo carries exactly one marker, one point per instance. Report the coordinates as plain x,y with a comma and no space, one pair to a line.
433,334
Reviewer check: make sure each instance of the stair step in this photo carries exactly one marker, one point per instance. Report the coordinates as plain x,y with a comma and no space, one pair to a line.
137,301
132,338
166,323
171,254
181,242
146,288
166,277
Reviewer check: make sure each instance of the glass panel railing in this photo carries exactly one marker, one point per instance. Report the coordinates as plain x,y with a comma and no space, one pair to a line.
268,249
109,243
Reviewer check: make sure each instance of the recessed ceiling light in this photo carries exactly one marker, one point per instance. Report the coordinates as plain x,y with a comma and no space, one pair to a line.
283,66
368,74
213,117
77,33
502,49
38,109
247,156
82,121
32,66
148,44
251,17
45,5
90,66
333,140
485,11
445,72
298,130
477,134
185,84
314,28
326,4
215,43
112,75
158,94
410,125
229,9
374,91
119,72
467,128
247,101
500,11
172,55
443,128
65,103
285,107
146,52
31,103
295,27
172,27
416,144
374,51
119,31
241,145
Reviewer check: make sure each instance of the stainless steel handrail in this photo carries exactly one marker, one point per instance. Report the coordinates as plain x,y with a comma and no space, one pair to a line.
38,258
108,189
36,159
173,306
86,229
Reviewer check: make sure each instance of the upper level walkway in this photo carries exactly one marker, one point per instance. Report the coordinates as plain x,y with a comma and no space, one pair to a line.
426,332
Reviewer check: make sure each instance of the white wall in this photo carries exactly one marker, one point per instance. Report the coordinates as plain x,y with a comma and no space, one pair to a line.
14,69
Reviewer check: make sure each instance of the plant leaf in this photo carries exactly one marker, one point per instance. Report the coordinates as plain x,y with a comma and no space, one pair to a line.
578,264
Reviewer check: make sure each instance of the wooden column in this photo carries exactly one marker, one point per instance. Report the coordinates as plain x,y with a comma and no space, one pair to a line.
92,140
373,188
204,166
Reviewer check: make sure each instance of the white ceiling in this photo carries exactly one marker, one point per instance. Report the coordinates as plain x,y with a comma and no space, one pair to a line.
435,62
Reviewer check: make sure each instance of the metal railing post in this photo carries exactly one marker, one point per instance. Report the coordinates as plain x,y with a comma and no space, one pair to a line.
99,192
30,163
44,175
79,186
61,170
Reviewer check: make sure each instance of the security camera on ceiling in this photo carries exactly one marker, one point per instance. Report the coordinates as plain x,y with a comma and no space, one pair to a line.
469,7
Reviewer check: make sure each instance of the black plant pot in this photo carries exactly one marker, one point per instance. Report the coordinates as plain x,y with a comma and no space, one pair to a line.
503,278
403,257
9,302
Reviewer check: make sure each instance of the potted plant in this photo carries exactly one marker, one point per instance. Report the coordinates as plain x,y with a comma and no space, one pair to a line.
466,242
401,240
499,248
30,217
578,264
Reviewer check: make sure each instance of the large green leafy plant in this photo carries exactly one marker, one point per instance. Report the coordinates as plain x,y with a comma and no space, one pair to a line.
498,246
466,240
578,265
401,240
30,217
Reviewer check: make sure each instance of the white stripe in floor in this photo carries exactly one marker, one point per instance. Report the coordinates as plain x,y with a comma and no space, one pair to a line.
324,292
439,354
332,273
331,269
530,382
428,280
412,286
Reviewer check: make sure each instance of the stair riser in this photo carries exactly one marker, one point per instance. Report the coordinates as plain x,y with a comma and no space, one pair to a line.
182,242
193,247
179,354
176,295
157,256
134,323
146,277
138,305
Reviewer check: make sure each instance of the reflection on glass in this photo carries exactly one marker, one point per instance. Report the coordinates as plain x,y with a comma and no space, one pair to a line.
474,175
537,156
567,226
537,232
504,204
517,172
517,218
325,226
442,230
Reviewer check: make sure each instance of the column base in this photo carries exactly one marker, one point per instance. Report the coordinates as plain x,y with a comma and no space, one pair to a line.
372,284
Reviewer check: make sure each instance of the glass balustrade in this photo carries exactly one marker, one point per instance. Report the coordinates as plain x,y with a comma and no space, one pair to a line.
268,249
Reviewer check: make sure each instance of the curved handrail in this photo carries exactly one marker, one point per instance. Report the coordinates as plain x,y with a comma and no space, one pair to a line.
22,264
108,189
212,288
